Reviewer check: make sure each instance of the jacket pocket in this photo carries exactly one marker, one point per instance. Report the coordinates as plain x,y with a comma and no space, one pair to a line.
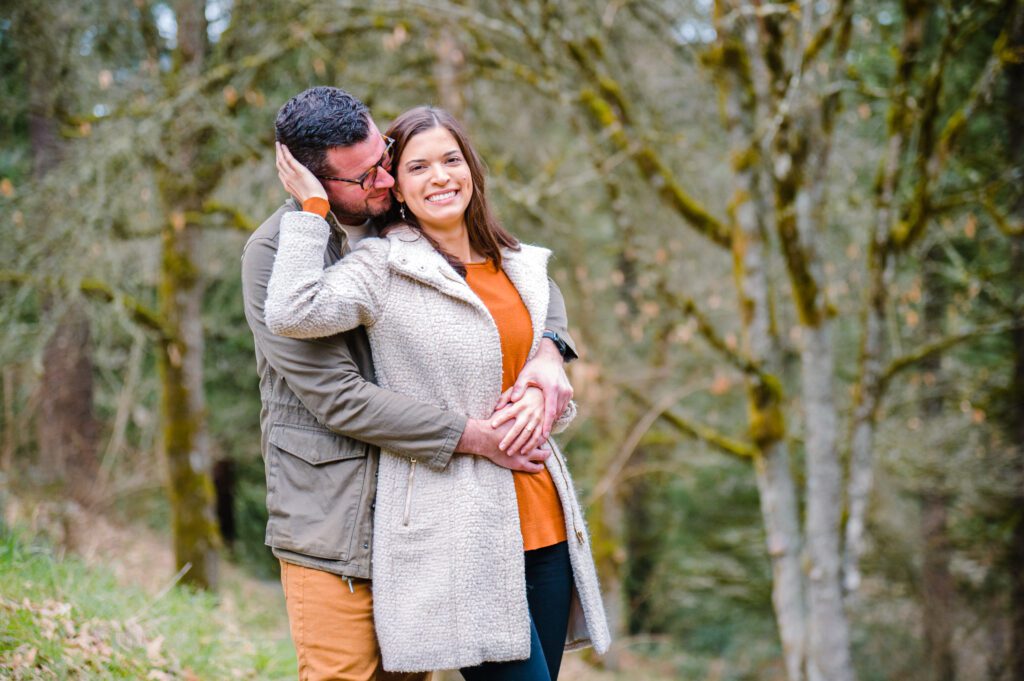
315,446
316,491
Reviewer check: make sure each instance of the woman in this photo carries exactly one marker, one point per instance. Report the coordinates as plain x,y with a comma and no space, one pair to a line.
453,306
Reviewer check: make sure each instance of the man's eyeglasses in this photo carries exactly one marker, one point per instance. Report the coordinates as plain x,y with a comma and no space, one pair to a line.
367,180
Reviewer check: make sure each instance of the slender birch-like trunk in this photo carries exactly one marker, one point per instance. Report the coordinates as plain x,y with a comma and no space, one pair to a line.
760,342
829,630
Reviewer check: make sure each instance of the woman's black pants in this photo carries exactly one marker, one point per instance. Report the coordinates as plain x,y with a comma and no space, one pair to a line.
548,592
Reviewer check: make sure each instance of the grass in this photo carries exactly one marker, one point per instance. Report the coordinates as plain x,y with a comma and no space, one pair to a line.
61,619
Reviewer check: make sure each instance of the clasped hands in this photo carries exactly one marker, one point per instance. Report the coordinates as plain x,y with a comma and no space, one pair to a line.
515,435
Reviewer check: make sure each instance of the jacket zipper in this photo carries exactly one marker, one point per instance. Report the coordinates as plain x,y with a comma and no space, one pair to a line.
408,491
568,487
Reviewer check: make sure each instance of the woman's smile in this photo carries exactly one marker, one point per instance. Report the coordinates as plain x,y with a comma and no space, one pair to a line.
442,197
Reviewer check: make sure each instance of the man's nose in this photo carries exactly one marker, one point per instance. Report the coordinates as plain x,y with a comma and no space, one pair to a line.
384,179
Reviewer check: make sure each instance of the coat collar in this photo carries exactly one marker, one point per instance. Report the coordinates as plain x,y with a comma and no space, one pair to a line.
414,257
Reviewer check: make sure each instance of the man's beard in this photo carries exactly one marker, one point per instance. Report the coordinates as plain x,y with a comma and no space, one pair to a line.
362,210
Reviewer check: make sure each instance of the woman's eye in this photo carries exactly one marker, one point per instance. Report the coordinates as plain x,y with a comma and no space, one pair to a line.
416,168
454,160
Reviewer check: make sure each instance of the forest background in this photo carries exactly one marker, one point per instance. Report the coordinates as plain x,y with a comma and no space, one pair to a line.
791,240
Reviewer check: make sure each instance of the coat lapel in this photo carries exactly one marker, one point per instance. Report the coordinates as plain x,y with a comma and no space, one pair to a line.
527,269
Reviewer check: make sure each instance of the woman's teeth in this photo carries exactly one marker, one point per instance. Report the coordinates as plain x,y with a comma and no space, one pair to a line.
441,197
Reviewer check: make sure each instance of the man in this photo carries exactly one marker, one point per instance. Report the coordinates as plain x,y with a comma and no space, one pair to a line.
323,420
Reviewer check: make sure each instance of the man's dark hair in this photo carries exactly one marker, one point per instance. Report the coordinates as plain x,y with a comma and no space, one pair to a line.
319,119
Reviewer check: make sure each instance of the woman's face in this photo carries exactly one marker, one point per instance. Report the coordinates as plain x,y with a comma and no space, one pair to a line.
434,180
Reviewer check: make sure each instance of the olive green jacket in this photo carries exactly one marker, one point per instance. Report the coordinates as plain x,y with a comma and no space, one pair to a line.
324,421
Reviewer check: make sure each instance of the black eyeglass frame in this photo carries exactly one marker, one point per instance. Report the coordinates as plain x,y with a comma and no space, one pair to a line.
369,178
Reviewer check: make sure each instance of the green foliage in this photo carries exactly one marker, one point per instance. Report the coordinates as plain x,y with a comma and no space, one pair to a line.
63,620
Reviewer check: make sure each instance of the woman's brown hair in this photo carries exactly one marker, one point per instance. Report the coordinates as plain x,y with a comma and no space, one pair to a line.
486,235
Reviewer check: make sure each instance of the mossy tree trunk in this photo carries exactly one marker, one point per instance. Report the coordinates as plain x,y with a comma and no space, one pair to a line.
185,441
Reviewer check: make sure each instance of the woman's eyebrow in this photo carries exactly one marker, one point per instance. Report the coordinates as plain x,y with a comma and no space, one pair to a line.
423,160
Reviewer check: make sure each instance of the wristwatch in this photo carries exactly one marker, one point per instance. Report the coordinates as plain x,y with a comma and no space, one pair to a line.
563,347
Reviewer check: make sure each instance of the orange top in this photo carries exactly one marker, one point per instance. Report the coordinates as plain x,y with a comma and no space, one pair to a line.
540,511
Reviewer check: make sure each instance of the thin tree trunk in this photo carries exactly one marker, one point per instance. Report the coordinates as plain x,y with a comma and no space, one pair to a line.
938,587
867,396
10,442
1015,557
125,402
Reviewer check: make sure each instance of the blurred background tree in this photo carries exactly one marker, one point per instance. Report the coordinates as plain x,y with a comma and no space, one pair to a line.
789,236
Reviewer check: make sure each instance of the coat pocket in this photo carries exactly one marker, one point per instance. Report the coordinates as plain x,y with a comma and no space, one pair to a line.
316,489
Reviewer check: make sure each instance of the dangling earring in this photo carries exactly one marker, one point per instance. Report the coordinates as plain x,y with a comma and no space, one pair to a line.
401,210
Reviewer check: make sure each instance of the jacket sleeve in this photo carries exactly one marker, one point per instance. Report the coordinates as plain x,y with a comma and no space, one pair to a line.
558,320
326,379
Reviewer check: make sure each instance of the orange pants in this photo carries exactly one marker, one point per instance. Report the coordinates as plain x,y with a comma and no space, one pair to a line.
332,628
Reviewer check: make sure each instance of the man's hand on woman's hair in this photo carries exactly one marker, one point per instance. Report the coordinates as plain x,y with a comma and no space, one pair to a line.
296,178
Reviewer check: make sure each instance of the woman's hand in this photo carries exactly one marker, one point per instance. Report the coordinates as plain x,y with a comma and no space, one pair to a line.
295,177
528,412
545,371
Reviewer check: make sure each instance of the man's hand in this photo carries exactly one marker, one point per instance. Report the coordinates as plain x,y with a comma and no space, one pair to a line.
545,371
296,178
481,439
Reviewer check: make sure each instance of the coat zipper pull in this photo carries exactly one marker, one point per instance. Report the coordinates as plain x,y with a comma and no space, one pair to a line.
408,491
350,588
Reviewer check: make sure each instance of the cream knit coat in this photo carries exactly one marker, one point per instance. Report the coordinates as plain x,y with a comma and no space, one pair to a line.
449,586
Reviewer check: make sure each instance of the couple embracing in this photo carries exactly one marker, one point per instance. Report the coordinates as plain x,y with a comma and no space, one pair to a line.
410,353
